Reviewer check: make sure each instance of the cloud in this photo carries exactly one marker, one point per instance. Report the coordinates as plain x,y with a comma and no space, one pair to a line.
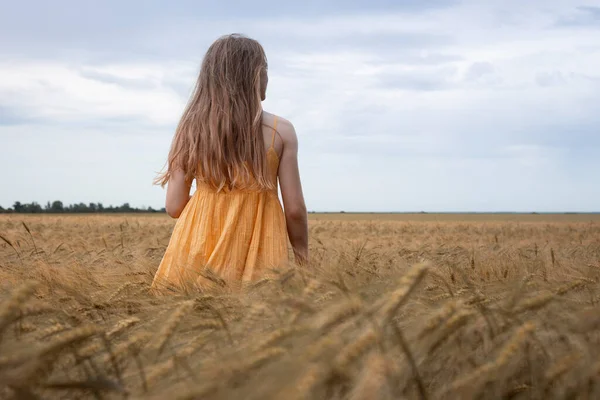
584,16
553,78
134,81
418,79
148,30
10,116
478,70
62,94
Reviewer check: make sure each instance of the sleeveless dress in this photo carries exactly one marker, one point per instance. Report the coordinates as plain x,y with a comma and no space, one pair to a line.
226,238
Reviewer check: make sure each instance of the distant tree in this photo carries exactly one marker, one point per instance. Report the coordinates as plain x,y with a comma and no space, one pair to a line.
33,208
57,207
78,208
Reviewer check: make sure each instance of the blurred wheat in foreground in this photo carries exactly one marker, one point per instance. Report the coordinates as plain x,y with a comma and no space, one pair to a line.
425,309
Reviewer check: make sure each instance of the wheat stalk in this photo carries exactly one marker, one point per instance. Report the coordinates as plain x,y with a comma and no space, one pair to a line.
310,289
9,308
122,350
120,290
194,345
407,284
411,360
516,390
51,330
372,381
562,365
67,338
91,349
569,287
33,309
485,373
171,325
214,324
276,336
258,359
354,350
452,324
121,326
438,318
30,235
303,386
8,242
27,328
535,303
443,296
39,363
159,371
323,343
337,313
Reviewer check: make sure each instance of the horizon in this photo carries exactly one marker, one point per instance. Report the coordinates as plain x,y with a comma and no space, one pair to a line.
143,209
438,105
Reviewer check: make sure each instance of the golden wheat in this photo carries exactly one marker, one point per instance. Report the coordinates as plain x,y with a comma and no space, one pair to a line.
171,324
372,383
121,326
9,308
302,387
359,346
438,318
430,306
486,372
406,285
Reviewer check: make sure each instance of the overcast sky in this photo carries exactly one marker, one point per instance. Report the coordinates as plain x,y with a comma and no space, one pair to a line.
398,105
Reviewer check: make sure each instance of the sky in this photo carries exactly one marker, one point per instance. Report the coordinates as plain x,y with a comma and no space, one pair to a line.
398,105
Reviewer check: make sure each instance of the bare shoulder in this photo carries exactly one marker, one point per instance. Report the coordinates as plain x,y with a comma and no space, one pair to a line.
284,127
286,130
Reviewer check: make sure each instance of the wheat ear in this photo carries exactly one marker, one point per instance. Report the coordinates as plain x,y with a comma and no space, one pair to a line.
9,308
121,326
438,318
407,284
303,387
337,313
353,351
372,380
474,380
171,324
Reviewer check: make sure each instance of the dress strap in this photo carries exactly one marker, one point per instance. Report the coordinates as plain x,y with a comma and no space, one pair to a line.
274,132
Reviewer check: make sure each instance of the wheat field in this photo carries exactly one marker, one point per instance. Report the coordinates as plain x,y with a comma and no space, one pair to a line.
390,307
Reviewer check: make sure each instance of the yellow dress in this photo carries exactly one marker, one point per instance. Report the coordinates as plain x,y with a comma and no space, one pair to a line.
227,237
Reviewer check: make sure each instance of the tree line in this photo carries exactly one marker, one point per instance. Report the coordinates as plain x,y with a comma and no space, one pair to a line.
57,207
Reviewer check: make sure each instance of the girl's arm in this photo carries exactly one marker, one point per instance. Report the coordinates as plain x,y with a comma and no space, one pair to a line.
291,192
178,193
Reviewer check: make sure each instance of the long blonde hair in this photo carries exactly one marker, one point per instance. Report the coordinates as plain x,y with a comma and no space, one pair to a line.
219,140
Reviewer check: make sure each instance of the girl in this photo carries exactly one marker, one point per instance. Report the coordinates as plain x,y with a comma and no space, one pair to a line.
233,228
